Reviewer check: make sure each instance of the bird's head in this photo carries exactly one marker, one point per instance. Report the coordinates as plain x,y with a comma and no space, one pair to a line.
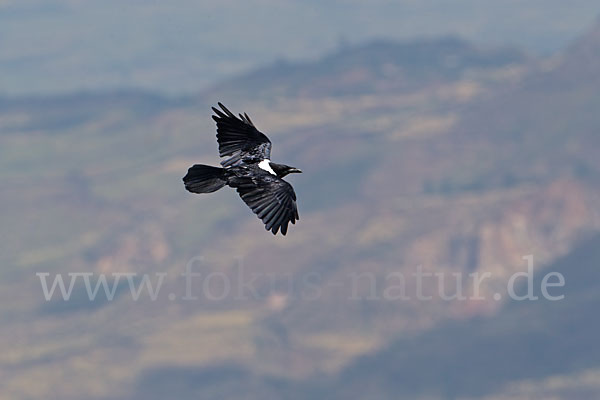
282,170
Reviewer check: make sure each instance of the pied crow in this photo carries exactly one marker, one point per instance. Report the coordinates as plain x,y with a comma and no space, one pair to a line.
248,168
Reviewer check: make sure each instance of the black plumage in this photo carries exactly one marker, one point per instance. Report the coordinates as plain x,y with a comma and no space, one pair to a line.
247,168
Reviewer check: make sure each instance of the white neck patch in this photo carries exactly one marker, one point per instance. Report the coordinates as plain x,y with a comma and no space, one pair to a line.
264,164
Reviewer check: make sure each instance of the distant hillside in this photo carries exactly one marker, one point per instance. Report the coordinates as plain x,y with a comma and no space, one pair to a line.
525,341
58,46
376,67
550,119
436,154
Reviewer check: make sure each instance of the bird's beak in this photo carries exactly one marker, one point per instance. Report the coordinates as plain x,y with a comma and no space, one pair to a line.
295,170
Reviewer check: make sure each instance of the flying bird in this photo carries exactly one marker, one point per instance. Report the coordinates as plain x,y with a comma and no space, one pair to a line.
247,168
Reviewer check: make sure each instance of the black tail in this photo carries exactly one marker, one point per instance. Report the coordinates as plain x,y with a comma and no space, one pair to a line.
204,179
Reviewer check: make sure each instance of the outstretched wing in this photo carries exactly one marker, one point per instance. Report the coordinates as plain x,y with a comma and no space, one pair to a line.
238,138
271,198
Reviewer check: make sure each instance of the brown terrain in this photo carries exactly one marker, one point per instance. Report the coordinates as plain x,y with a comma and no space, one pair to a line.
431,154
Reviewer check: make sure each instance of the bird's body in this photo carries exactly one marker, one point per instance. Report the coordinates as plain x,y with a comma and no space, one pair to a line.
248,168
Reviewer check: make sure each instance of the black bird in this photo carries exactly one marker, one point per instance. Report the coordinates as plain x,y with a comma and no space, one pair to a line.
249,170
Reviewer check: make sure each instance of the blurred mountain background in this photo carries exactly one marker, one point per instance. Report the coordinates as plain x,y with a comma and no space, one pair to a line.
183,46
458,152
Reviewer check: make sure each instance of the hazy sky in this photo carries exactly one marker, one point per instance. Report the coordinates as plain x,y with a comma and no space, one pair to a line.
181,46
